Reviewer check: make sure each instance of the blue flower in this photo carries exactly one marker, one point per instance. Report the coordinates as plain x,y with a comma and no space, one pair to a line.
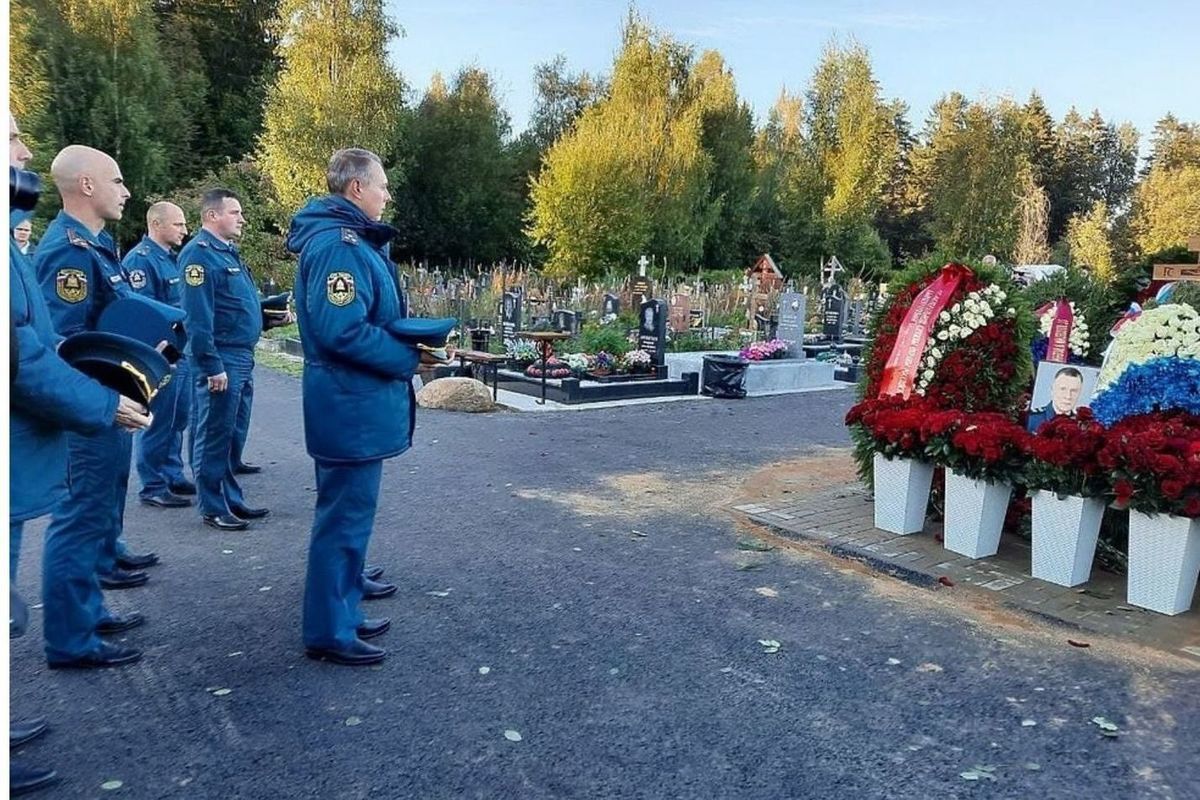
1160,384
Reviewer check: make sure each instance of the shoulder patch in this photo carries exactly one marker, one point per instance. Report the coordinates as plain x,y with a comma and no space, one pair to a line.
77,240
202,243
71,285
137,279
349,236
144,251
194,274
339,288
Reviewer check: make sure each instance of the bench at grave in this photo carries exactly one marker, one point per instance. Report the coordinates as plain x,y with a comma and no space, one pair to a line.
489,364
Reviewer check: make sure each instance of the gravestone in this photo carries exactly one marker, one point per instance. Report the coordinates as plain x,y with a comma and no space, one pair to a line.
792,307
856,319
696,319
612,305
681,313
833,313
640,289
510,316
566,321
652,330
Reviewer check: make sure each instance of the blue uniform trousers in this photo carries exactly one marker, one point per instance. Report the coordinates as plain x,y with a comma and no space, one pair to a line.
347,495
81,539
159,460
215,429
15,530
242,429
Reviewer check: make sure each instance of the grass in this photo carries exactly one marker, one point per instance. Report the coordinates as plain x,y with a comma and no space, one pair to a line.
279,362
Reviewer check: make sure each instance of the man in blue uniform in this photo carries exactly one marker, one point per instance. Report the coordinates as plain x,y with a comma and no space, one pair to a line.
154,272
47,399
79,276
359,407
224,322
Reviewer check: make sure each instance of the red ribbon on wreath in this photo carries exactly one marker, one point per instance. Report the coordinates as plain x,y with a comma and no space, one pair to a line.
904,362
1058,348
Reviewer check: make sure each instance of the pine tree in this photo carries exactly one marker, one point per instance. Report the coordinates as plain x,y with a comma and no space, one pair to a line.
335,89
1090,243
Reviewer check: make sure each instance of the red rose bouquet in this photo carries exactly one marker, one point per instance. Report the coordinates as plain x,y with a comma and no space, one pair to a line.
1064,456
1154,462
892,424
986,445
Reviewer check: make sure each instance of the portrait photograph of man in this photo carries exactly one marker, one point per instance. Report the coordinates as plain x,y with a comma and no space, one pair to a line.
1059,389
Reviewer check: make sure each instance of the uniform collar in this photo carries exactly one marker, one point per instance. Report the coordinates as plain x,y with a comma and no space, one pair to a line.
216,243
101,240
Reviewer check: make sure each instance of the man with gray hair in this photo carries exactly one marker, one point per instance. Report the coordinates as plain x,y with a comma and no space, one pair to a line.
359,406
154,271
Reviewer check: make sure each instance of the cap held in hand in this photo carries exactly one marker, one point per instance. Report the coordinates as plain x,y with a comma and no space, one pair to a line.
131,367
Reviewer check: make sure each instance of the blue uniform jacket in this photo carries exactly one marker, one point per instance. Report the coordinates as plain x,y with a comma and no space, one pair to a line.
47,398
79,272
359,403
154,272
221,302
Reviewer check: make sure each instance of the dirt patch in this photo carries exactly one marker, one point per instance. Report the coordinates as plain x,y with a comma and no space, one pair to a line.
636,494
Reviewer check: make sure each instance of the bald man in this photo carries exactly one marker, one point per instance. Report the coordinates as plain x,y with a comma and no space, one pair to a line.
80,275
154,272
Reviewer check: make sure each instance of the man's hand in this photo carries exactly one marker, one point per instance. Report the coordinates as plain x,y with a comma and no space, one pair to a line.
132,415
218,383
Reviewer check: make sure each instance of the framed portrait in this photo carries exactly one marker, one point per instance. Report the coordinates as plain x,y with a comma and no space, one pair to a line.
1060,389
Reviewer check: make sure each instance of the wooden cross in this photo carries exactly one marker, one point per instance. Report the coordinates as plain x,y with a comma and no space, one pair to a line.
1181,272
643,262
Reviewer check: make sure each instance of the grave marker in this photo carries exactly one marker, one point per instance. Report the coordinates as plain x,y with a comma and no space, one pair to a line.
510,316
792,308
652,330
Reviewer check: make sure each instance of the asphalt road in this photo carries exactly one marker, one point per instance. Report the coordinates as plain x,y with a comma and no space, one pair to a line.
628,664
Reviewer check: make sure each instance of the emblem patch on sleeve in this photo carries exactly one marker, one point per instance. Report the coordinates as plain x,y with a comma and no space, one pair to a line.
137,279
339,288
194,275
71,285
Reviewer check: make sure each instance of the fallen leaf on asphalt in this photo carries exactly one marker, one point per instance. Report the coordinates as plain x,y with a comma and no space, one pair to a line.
446,593
484,670
978,771
1076,643
1032,766
769,645
1028,723
893,661
222,692
264,588
767,591
235,653
227,552
755,545
944,581
1106,727
748,567
512,736
639,534
109,786
929,666
352,721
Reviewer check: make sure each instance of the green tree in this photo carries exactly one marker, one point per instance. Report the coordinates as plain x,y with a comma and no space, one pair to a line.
335,89
1090,243
1166,206
632,175
108,86
778,145
463,199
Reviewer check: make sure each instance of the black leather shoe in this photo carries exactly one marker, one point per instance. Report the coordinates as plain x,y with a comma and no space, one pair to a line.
137,560
23,778
119,622
122,579
108,655
371,628
247,469
26,731
183,489
242,512
225,522
373,590
372,573
358,654
166,500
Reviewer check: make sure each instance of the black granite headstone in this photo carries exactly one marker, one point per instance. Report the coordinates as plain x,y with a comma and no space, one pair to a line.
833,313
510,316
612,305
652,330
566,321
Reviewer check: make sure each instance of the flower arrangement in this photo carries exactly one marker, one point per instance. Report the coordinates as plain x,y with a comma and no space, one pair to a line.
578,363
553,368
985,445
761,351
1154,461
893,424
983,361
1064,456
637,361
1153,365
521,351
603,363
1079,342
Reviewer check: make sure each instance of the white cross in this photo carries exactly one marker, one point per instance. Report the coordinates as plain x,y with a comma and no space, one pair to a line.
643,262
830,270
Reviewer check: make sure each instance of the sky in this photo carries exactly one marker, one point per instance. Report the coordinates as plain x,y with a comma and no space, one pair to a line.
1134,61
